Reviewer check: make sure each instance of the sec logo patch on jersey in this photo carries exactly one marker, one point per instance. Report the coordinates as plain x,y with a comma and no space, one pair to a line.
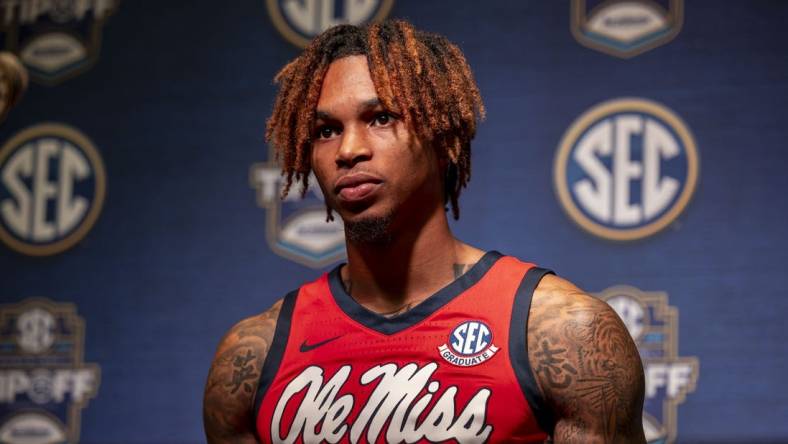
301,20
626,169
52,187
469,344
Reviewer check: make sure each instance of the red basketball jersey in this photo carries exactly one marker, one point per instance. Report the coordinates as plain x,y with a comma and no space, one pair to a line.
452,369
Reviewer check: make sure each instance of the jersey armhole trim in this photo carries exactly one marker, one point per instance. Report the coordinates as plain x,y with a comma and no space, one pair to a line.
518,348
275,354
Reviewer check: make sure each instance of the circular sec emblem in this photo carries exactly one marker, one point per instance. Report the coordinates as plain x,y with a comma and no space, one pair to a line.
301,20
626,169
470,343
52,187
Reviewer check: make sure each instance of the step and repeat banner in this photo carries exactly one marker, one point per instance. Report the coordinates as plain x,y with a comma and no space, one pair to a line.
636,147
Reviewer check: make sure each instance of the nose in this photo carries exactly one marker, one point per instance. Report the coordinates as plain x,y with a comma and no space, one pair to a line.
353,149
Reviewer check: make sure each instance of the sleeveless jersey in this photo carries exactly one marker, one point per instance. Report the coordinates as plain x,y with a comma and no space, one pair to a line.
453,369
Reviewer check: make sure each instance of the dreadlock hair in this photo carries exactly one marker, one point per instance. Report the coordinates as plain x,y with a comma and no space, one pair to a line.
420,76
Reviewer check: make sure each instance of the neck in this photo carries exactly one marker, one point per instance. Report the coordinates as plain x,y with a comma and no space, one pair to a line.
416,262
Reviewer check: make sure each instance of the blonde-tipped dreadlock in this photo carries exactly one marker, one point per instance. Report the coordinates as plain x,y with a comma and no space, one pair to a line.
419,75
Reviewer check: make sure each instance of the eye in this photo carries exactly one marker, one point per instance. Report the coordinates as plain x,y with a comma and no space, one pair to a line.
326,132
382,119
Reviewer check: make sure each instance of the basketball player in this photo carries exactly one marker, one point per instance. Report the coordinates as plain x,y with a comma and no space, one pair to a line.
419,337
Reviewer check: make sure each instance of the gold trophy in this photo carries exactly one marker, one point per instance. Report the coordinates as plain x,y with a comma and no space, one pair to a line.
13,82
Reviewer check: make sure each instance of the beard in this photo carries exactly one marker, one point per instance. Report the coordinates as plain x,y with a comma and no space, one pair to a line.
370,230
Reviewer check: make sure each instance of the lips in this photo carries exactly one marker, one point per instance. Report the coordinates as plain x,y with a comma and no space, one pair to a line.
355,187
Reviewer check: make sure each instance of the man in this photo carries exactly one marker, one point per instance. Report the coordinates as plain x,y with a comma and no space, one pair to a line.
420,337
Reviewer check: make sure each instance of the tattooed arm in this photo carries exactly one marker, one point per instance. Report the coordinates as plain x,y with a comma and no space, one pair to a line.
228,403
586,365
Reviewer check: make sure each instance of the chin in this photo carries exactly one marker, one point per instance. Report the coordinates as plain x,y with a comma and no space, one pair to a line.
359,211
368,227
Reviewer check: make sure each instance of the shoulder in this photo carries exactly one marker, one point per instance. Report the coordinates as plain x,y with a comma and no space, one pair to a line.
255,331
564,315
564,320
585,364
557,296
228,402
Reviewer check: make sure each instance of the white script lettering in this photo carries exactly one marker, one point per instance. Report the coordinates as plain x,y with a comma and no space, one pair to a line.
399,399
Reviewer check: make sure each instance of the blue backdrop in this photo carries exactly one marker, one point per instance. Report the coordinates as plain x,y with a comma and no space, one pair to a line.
176,103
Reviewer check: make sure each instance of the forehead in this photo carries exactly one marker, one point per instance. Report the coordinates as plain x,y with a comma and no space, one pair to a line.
346,83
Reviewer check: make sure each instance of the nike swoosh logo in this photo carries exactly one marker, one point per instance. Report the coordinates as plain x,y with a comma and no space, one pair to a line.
308,347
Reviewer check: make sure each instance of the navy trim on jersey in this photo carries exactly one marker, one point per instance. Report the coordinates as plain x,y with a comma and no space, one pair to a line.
400,322
518,349
275,353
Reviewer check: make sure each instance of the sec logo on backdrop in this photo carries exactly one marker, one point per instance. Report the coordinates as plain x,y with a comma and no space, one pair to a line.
296,227
55,40
669,378
44,380
52,187
301,20
626,169
626,28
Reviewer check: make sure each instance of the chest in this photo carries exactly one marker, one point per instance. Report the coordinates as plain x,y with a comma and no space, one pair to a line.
443,373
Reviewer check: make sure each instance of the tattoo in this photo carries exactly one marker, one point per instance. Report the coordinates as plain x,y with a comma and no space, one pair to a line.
575,432
600,392
405,308
232,380
243,373
389,314
552,367
461,269
588,367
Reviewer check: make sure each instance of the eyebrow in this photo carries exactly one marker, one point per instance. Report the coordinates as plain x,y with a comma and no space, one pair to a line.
363,106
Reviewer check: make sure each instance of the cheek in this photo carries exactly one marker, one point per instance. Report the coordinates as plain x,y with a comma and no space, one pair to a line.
425,164
318,159
416,160
318,172
417,170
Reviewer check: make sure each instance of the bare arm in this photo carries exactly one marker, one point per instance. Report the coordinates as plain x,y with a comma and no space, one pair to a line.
586,365
228,403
